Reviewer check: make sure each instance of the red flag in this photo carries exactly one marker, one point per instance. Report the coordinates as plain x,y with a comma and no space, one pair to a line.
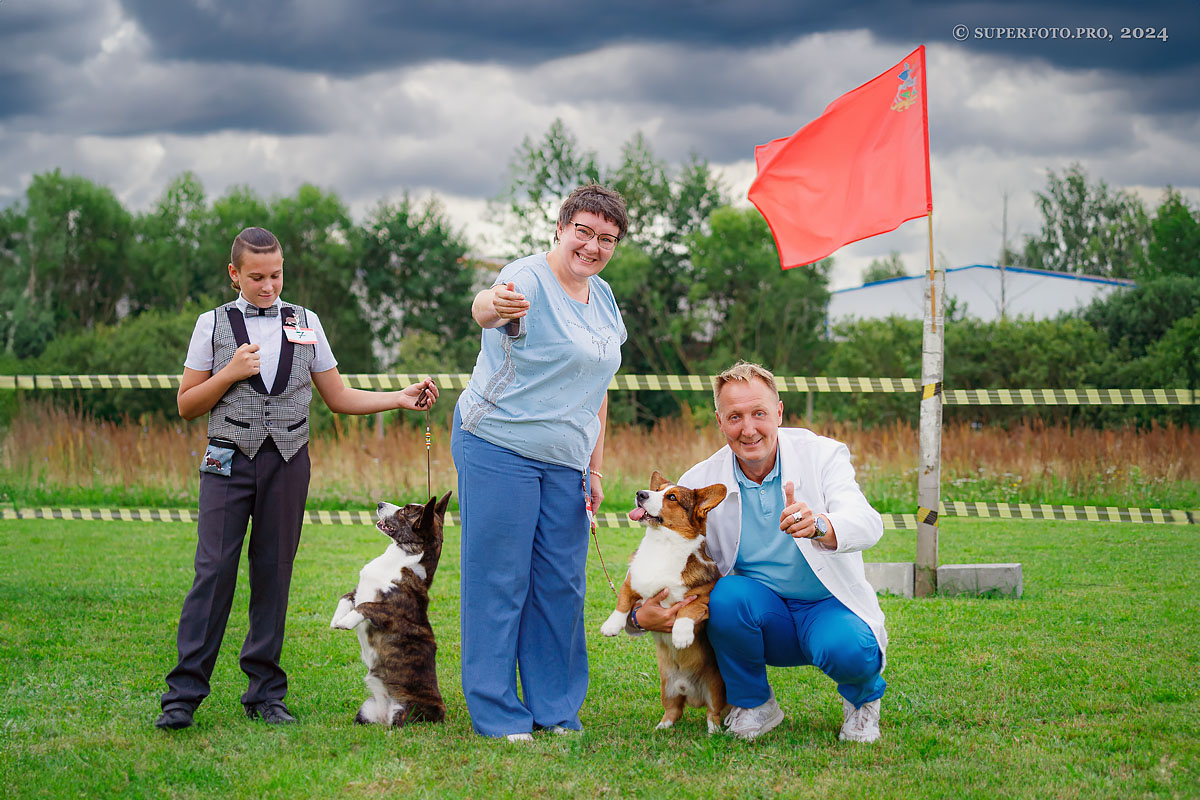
859,169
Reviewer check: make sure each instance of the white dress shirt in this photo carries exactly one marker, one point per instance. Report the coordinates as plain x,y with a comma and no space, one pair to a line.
266,332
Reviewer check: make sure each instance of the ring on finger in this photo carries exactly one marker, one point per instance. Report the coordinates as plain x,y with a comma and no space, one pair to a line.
797,517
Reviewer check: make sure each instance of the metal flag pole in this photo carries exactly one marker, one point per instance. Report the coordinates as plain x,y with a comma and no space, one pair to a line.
929,472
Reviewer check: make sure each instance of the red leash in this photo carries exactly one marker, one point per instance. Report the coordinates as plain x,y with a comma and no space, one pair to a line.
422,400
587,499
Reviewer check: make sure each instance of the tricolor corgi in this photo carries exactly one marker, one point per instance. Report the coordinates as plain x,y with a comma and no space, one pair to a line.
673,556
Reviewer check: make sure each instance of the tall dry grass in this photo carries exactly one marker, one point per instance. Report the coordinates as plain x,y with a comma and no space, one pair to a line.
49,452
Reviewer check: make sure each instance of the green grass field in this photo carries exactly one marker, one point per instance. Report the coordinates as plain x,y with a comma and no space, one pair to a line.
1086,687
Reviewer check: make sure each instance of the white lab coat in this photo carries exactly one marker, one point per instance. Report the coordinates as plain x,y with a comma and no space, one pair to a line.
823,476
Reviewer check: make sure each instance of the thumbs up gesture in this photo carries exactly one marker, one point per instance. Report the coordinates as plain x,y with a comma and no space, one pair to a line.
797,519
508,303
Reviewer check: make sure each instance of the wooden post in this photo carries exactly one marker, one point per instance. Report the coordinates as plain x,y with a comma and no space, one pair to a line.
929,472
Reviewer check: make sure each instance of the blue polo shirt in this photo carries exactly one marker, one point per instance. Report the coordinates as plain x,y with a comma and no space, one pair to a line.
765,553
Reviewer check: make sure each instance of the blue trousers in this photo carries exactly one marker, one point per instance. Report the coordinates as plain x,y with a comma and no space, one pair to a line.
750,627
524,548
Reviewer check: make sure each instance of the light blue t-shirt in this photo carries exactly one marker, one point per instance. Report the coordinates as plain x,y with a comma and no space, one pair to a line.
538,393
765,553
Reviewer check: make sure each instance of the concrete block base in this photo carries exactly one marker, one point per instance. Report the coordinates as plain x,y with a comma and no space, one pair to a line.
987,580
893,577
1003,580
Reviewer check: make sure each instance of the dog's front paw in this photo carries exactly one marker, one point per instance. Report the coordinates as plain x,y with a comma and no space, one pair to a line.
683,633
663,725
614,624
349,621
344,606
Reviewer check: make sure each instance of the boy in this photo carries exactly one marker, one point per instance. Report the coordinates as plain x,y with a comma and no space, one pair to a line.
251,366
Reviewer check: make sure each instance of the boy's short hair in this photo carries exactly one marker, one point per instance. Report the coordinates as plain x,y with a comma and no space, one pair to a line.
255,240
742,371
595,199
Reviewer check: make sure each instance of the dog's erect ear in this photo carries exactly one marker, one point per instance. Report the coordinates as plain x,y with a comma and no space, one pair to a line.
708,498
657,481
427,514
433,509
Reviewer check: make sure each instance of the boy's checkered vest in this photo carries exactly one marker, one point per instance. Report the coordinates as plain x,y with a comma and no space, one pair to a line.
248,413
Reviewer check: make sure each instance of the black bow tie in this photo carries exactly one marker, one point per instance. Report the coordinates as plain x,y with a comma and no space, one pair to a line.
255,311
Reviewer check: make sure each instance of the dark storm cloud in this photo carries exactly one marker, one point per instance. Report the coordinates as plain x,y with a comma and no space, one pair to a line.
37,39
196,43
68,28
129,100
356,36
18,93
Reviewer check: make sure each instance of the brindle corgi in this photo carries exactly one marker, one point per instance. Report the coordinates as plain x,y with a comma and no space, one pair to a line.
673,556
390,610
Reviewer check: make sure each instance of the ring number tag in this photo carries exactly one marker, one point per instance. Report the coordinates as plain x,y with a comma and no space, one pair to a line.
300,335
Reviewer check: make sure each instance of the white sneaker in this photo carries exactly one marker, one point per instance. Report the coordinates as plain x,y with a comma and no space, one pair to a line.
519,737
848,710
747,723
860,724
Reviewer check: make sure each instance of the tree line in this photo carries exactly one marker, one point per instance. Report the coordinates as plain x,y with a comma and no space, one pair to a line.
87,286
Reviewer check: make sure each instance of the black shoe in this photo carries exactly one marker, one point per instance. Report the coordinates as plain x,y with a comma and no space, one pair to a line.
272,712
174,719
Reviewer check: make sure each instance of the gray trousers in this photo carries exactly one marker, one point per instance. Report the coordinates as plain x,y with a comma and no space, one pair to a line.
272,492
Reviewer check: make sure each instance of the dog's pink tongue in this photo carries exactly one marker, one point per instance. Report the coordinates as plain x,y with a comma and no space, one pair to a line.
637,513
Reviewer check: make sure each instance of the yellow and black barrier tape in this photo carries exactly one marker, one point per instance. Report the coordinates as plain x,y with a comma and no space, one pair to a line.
89,381
1003,397
179,515
395,381
1070,397
1018,511
927,515
1030,511
102,514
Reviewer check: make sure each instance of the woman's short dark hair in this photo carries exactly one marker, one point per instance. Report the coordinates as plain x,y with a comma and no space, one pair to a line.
255,240
595,199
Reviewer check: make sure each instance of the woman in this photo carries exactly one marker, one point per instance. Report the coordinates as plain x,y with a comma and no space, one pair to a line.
528,442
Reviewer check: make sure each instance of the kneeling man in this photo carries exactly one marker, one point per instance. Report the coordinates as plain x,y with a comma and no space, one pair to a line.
788,540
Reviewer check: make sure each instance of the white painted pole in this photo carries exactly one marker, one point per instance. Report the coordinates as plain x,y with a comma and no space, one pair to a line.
929,469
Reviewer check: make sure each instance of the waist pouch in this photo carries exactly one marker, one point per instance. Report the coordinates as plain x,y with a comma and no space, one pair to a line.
218,457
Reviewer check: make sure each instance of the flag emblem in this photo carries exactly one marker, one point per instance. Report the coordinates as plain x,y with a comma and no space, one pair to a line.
906,92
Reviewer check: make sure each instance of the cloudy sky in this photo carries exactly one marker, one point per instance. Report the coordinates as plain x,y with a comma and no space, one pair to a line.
371,99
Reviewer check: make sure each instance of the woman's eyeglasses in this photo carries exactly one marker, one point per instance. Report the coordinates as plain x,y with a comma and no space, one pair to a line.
585,234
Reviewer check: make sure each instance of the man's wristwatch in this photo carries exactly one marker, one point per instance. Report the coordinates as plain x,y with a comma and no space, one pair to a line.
822,526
